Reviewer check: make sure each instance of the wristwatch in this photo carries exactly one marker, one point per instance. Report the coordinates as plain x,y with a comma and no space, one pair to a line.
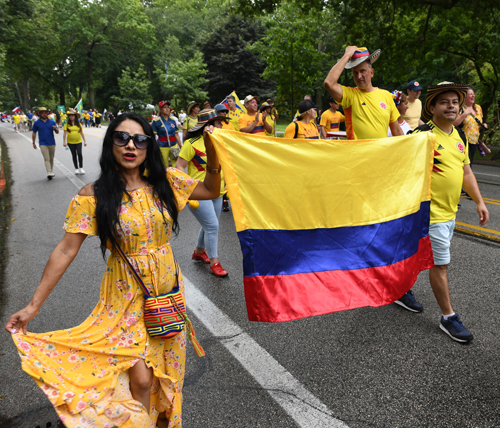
214,171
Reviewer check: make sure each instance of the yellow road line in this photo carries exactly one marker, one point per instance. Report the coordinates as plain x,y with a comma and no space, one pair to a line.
93,135
486,200
479,234
482,229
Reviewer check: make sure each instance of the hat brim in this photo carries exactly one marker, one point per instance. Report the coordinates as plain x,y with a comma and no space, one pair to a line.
208,122
191,107
434,91
253,98
373,57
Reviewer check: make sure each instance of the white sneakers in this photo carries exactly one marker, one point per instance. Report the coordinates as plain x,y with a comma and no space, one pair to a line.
79,171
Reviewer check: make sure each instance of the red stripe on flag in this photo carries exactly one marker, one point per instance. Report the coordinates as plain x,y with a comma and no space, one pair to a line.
281,298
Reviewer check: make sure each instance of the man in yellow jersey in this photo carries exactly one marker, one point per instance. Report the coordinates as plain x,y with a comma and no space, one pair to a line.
414,112
451,172
305,125
253,122
330,119
369,111
234,112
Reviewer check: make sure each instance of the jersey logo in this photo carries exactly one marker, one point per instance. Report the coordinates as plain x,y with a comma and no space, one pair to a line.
363,104
460,147
440,147
383,105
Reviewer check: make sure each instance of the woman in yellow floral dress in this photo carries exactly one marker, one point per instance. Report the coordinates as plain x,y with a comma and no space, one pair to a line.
468,117
108,372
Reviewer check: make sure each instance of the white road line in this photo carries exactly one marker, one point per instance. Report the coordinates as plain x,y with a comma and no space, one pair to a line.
302,406
72,177
305,409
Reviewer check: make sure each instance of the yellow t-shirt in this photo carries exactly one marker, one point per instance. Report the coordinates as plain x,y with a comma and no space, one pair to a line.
368,114
228,126
16,118
331,120
413,113
271,120
234,117
307,131
64,116
193,150
86,116
74,136
450,156
471,127
246,119
189,122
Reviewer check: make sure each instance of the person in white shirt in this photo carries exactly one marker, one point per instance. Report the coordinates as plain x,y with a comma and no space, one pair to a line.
401,101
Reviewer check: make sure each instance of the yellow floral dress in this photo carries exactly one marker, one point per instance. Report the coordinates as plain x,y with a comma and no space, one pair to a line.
84,370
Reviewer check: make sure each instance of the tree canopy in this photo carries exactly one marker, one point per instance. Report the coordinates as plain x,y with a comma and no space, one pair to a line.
56,52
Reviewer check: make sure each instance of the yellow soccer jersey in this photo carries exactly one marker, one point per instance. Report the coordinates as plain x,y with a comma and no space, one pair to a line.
16,118
305,131
367,114
234,117
246,119
450,156
193,150
412,115
189,122
331,121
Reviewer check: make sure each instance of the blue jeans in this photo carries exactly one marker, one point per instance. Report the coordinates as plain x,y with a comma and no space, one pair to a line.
207,215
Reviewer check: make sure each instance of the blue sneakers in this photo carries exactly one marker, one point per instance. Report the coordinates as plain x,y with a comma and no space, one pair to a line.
409,302
454,328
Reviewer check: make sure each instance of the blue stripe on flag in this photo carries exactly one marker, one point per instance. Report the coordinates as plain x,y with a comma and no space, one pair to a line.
288,252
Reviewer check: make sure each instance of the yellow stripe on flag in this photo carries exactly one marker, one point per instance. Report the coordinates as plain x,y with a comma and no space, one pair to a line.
285,184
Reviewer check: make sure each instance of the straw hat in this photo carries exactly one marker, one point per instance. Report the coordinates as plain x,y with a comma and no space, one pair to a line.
434,91
191,105
73,111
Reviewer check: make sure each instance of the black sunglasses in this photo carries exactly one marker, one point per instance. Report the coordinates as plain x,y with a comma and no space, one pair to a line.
121,138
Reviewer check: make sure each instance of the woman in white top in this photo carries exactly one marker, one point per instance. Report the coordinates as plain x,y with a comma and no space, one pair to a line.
401,101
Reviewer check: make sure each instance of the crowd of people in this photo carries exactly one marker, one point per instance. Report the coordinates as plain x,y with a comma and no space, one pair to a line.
134,205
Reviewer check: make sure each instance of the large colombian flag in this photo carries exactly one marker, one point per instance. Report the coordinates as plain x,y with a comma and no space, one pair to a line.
326,226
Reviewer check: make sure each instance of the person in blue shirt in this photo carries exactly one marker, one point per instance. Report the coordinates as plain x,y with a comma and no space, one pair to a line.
167,134
29,115
45,128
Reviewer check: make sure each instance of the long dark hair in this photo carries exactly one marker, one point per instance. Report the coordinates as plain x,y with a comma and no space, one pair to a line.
74,122
109,188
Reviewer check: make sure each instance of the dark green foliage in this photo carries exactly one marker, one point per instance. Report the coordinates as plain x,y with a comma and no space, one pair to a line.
230,63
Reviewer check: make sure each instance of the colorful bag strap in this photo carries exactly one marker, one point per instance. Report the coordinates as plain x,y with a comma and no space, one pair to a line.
141,283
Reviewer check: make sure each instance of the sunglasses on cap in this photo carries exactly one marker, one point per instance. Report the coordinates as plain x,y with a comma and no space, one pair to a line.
121,138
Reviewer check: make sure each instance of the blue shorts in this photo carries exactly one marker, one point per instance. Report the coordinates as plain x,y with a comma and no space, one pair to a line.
441,234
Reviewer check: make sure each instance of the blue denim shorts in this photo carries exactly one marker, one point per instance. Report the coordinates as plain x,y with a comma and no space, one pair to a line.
441,234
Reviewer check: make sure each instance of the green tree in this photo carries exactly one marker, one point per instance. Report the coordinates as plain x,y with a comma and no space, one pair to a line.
230,63
183,80
134,89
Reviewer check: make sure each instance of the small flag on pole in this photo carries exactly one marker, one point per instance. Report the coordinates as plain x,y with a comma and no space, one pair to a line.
79,106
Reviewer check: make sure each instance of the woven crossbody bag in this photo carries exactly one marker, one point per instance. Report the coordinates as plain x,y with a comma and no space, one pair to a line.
165,315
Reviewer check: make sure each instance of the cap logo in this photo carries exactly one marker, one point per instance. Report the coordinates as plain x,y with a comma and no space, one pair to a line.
383,105
416,84
460,147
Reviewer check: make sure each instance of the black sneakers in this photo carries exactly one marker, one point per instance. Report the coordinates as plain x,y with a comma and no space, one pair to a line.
409,302
454,328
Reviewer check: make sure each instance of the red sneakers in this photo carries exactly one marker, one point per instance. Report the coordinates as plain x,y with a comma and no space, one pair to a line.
218,270
202,257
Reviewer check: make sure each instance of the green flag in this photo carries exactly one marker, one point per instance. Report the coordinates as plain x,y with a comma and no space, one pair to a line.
79,106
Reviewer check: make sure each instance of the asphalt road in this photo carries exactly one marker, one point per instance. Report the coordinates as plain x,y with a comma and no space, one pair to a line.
369,367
